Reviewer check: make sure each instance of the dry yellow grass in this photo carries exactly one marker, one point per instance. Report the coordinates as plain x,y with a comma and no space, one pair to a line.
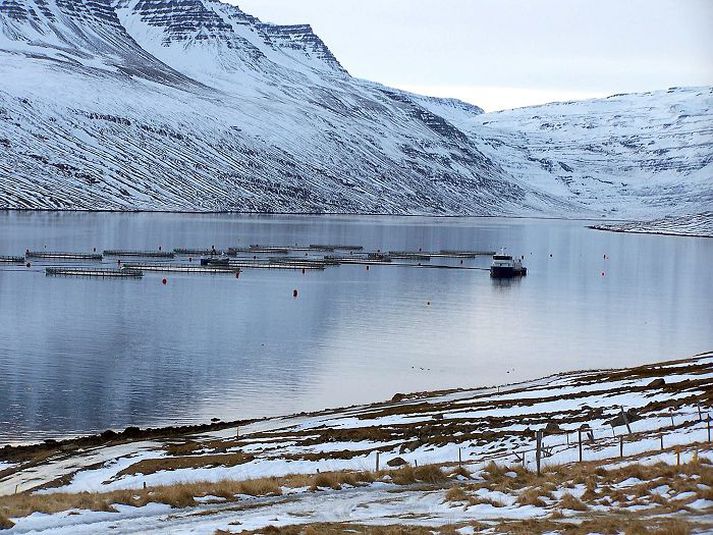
407,475
531,496
5,523
570,502
151,466
344,529
457,494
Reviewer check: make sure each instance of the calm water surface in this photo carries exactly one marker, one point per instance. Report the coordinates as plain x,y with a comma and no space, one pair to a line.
83,355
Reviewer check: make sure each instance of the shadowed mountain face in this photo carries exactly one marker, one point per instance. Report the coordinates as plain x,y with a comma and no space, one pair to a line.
196,105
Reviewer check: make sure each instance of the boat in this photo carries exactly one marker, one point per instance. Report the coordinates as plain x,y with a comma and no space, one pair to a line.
504,266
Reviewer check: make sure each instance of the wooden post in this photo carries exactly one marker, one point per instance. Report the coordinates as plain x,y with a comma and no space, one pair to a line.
237,431
672,424
661,437
568,438
144,485
626,420
377,461
580,445
538,451
621,445
709,429
523,458
678,457
415,463
460,458
16,488
700,414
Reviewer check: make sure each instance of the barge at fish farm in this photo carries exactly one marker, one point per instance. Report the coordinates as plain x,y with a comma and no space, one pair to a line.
504,266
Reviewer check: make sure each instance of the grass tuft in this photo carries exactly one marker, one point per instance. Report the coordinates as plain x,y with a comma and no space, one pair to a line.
570,502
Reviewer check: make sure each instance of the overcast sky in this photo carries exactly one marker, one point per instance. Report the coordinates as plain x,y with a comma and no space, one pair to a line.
504,53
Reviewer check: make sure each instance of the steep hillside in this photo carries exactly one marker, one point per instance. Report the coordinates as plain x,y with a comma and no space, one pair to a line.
636,155
195,105
198,106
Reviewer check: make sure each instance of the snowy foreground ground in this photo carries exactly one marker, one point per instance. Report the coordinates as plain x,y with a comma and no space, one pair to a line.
448,462
700,225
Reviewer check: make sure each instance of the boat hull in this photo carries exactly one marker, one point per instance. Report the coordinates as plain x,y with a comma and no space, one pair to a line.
507,272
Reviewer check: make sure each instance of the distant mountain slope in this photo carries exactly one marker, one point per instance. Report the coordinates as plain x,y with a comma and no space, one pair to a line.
633,155
196,105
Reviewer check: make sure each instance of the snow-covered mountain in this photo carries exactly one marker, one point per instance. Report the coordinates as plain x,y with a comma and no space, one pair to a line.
627,155
196,105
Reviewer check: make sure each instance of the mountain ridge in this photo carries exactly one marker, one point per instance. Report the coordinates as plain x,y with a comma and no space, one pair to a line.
194,105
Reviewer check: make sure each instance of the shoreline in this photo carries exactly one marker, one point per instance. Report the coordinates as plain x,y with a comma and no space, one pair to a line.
134,433
462,457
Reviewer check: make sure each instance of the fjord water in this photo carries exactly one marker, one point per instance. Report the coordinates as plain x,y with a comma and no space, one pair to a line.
84,355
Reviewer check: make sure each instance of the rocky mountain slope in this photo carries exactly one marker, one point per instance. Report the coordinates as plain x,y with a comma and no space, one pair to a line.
196,105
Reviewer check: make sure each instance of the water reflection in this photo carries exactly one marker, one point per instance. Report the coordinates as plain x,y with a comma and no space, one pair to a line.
83,355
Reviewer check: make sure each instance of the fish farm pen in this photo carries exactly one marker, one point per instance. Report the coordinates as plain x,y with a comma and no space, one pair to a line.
141,254
197,252
183,268
98,273
12,259
57,255
233,260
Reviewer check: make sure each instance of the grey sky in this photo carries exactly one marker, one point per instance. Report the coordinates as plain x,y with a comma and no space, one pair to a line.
506,53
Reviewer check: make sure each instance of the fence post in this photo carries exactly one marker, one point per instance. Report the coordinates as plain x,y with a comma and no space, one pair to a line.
661,437
377,461
460,458
709,428
538,452
672,424
700,414
626,420
621,445
580,445
237,431
568,438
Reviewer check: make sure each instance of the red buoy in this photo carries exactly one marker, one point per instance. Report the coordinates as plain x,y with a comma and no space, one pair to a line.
164,281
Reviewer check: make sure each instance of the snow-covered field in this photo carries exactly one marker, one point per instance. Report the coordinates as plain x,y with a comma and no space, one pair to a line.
444,459
198,106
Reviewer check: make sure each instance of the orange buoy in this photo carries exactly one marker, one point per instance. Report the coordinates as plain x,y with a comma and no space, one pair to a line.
164,281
